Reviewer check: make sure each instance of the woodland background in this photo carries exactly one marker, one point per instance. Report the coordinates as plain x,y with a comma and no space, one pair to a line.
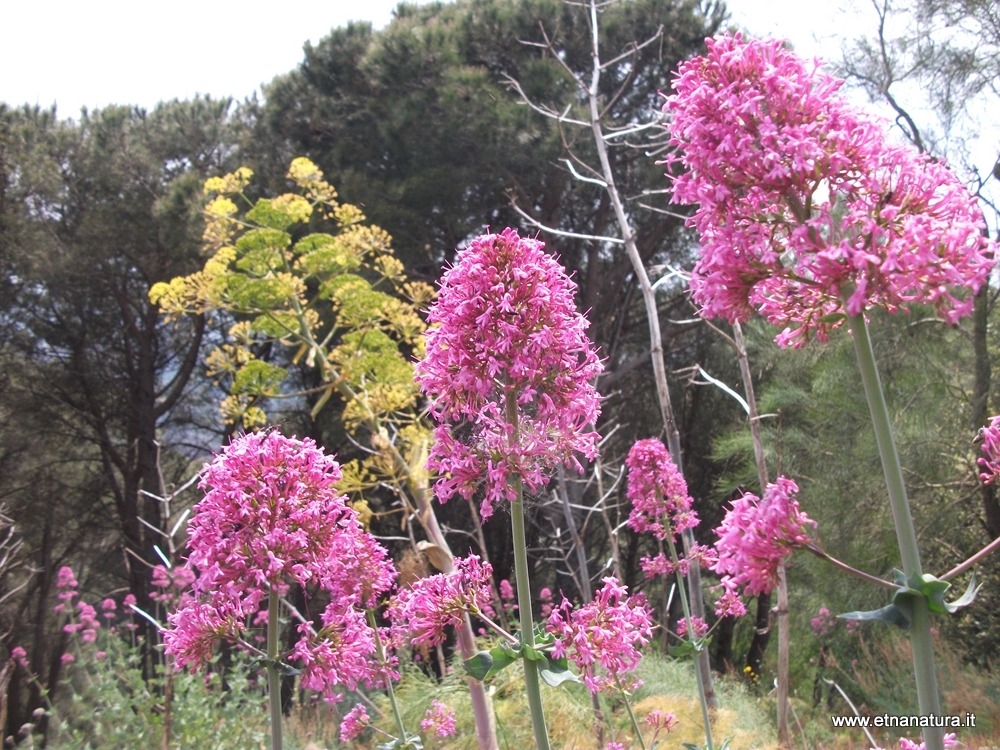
102,399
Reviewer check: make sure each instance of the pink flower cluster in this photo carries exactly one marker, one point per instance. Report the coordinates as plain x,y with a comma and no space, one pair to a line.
505,323
422,612
607,633
661,720
272,518
354,723
991,447
700,627
440,719
823,623
950,743
801,201
658,493
757,535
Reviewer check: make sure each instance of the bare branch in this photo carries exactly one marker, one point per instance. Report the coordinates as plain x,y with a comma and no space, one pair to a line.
538,225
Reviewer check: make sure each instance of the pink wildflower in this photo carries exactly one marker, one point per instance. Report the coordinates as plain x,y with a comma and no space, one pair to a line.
801,200
757,535
129,601
606,633
88,615
440,719
991,447
89,635
658,493
700,627
950,742
507,325
729,603
354,723
506,590
425,609
661,720
272,517
65,582
822,623
67,658
614,746
101,655
19,655
108,607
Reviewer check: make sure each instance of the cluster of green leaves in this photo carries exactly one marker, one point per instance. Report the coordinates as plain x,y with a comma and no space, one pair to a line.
338,301
104,701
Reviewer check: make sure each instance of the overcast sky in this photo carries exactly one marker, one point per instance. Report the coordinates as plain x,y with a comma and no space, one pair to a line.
92,53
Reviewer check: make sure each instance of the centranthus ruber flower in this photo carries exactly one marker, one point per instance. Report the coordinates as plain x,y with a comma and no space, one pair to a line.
801,201
272,518
991,447
756,536
659,495
607,633
505,325
423,611
439,719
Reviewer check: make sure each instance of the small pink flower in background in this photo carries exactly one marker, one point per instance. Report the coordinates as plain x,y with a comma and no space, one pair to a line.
605,633
19,655
506,323
661,720
756,536
129,601
823,623
950,741
991,447
440,719
700,627
430,605
66,583
729,603
614,746
108,607
506,590
659,495
853,627
67,658
88,615
89,635
801,200
545,596
354,723
101,655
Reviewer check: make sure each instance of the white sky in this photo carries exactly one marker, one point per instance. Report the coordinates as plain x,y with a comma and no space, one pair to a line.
92,53
96,52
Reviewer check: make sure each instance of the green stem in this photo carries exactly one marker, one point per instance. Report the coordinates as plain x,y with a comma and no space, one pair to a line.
691,639
273,678
380,653
920,631
531,684
628,707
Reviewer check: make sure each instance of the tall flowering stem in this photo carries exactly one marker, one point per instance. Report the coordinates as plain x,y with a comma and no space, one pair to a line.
661,506
920,630
809,217
273,678
509,371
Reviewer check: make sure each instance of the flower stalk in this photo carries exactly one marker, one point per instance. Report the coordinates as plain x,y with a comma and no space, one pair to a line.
273,678
531,682
920,630
692,639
